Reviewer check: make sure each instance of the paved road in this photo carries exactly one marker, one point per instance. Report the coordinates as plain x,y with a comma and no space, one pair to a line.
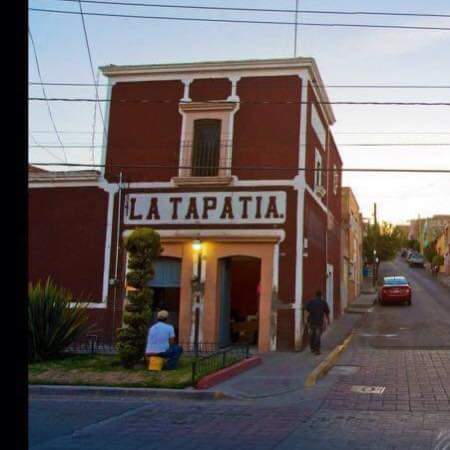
403,349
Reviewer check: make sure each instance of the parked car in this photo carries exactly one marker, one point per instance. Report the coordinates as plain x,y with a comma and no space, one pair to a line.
416,259
394,289
404,253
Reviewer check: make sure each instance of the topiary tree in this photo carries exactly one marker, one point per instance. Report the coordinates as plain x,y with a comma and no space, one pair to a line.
429,252
144,247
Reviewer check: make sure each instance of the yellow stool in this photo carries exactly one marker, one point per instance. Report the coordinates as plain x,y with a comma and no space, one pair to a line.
156,363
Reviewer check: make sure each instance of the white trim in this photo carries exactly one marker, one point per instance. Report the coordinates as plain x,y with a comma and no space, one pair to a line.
221,234
91,305
301,184
106,125
234,97
62,184
316,198
235,182
275,279
221,69
112,190
186,93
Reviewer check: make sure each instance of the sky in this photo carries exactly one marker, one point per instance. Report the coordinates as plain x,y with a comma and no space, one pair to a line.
344,56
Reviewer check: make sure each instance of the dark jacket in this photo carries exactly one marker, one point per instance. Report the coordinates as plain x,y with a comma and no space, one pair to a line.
317,308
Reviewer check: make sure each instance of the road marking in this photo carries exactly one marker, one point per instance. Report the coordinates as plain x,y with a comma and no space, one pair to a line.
368,389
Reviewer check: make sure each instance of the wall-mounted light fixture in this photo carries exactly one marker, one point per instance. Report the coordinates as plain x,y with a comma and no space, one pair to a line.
197,245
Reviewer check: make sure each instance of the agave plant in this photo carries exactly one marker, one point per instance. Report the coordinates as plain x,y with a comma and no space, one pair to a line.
55,320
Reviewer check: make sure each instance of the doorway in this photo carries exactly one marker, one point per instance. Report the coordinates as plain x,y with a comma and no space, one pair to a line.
239,291
166,290
330,289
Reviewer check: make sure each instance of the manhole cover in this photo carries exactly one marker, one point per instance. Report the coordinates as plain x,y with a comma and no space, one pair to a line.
344,370
368,389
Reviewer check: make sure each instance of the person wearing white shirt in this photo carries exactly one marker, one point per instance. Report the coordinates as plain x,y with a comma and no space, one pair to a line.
161,341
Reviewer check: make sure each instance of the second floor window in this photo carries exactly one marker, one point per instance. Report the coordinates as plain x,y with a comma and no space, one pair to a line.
206,148
318,171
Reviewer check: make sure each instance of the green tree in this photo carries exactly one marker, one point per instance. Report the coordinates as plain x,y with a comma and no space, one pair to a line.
144,247
413,244
429,252
386,239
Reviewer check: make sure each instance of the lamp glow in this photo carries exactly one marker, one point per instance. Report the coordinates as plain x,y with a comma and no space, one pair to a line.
197,245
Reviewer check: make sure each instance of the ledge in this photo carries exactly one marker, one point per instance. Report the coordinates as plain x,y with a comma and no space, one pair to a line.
202,181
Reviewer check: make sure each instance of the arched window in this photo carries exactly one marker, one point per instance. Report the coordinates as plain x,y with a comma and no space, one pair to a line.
206,148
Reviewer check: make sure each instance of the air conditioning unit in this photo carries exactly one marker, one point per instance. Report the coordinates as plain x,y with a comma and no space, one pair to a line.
320,191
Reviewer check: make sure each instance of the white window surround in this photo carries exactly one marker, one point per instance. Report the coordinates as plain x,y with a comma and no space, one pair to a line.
335,179
318,163
222,110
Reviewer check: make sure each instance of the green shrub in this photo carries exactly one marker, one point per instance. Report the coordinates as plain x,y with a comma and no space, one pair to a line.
143,247
52,323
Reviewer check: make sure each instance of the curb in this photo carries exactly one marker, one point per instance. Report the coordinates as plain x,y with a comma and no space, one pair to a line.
118,392
228,372
323,368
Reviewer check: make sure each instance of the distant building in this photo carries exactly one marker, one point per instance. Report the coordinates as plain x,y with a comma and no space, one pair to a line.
352,248
443,248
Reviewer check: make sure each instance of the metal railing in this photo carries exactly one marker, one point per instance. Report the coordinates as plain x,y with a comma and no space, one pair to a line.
203,365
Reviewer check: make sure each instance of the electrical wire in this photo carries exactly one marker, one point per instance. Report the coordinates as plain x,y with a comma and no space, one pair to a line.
352,86
252,102
240,9
259,22
44,147
251,168
44,93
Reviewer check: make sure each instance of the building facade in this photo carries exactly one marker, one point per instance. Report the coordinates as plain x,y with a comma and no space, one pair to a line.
352,248
213,157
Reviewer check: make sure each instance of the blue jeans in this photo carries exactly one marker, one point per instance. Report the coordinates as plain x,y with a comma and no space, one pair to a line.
172,355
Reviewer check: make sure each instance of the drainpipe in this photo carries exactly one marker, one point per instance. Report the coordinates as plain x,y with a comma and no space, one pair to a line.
116,268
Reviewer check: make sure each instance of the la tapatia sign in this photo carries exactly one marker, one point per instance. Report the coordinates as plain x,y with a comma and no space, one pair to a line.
235,207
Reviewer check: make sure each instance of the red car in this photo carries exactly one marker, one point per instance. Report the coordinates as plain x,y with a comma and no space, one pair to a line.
395,289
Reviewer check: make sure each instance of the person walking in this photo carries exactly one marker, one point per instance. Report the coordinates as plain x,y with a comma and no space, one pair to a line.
161,341
318,310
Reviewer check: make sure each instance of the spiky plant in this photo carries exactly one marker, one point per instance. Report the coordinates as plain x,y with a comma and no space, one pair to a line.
55,320
143,247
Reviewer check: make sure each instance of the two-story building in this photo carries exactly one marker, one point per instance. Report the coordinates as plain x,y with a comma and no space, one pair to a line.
352,248
234,164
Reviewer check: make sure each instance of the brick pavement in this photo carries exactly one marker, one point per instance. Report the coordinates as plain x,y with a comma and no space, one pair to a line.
415,380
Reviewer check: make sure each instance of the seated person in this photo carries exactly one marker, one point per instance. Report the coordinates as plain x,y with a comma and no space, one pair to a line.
161,341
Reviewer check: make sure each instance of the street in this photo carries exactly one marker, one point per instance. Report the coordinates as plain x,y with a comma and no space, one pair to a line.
403,349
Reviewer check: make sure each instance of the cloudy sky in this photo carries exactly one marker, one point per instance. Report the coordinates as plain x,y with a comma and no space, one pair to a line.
344,56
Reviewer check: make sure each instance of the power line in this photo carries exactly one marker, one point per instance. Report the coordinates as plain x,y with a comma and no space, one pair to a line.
45,148
260,22
86,40
150,147
258,168
240,9
44,93
253,102
352,86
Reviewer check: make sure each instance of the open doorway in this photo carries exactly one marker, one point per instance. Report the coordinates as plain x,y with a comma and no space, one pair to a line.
239,291
166,289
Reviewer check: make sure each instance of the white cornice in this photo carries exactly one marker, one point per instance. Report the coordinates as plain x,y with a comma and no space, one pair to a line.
223,69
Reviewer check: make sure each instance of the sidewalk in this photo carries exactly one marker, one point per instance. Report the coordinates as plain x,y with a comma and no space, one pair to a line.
443,278
281,374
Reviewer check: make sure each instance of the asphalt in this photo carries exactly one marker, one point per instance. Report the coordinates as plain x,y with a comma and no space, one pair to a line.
404,350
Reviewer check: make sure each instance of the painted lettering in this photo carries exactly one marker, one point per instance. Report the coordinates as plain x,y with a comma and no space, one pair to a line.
245,201
209,203
133,216
227,209
153,212
272,208
192,212
258,207
175,201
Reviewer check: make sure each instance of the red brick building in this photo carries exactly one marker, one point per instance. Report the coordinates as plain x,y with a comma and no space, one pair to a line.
207,154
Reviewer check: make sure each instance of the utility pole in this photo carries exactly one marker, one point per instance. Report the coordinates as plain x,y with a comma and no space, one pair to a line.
375,257
295,29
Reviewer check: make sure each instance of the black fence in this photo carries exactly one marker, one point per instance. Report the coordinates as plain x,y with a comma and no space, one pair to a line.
203,365
98,344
